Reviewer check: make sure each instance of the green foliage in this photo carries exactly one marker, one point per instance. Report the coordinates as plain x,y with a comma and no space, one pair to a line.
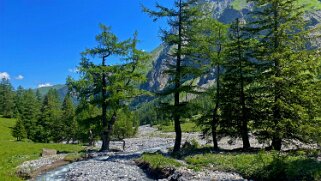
111,87
262,166
187,127
13,153
126,125
183,18
6,99
158,161
18,131
210,45
239,4
147,113
69,131
49,123
88,118
29,111
288,72
310,5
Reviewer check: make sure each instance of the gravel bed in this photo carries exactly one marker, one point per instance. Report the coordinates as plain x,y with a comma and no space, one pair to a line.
28,167
120,166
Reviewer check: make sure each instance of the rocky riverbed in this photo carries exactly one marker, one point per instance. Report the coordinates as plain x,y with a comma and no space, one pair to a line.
120,165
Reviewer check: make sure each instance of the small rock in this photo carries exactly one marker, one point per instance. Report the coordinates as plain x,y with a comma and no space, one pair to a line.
48,152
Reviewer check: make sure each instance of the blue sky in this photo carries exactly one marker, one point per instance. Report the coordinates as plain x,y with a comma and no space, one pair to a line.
41,40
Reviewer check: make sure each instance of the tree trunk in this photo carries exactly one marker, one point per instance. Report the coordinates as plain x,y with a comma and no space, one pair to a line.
276,140
276,143
177,124
214,133
215,116
244,121
104,135
178,131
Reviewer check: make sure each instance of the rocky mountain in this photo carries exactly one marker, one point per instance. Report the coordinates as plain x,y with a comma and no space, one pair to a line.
226,11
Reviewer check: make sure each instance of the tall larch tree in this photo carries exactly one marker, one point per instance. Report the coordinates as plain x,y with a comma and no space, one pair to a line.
210,41
287,67
181,18
108,45
238,74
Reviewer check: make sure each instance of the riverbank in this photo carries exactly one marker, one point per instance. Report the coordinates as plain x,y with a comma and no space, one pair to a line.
124,166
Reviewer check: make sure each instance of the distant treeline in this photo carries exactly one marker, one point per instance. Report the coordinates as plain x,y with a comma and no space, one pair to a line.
47,119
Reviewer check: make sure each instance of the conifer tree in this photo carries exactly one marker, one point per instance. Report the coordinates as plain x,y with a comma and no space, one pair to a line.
181,18
49,123
18,131
287,68
30,112
88,121
111,86
109,45
209,40
238,75
18,100
69,119
6,99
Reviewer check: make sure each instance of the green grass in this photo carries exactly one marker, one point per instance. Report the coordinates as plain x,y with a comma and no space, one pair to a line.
262,166
239,4
187,127
13,153
310,5
158,161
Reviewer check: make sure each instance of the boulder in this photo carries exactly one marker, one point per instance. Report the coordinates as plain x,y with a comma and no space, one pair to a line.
48,152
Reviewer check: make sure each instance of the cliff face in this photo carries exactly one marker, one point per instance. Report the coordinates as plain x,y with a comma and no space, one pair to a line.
226,11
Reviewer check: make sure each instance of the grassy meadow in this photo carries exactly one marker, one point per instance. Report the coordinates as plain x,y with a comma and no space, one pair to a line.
13,153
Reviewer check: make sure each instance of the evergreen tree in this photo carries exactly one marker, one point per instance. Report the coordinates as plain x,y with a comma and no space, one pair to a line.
49,125
111,87
69,119
18,131
30,112
238,74
184,68
39,96
108,45
287,69
18,100
208,46
6,99
88,120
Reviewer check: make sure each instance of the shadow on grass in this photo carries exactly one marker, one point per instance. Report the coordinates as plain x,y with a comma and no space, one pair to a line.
289,169
191,151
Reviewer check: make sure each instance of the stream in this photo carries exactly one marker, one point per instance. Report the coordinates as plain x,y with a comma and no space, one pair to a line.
109,166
